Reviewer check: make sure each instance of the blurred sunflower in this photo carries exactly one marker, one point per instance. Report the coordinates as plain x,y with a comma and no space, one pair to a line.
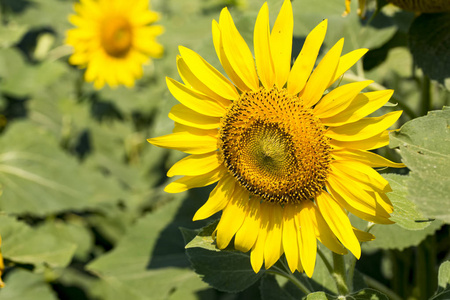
290,162
113,40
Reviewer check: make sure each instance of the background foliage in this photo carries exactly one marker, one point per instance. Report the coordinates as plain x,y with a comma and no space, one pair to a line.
83,214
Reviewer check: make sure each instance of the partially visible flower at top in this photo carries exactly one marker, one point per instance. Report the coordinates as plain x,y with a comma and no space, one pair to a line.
423,6
289,161
113,39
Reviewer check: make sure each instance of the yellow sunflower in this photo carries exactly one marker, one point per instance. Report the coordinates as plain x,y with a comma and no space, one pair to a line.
289,161
113,40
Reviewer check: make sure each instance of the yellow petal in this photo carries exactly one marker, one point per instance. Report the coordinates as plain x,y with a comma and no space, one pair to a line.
257,254
195,101
191,81
207,74
346,62
218,198
320,77
248,233
383,200
308,247
363,236
324,233
281,43
370,218
261,45
196,164
237,51
273,248
186,116
361,106
369,158
339,99
192,130
218,45
377,141
339,223
290,244
232,217
306,60
351,170
186,142
188,182
355,195
363,129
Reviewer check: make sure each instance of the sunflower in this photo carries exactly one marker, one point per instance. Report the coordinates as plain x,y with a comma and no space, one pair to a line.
289,161
113,40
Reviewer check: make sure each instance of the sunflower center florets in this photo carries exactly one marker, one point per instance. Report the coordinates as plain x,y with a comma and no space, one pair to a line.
116,36
275,147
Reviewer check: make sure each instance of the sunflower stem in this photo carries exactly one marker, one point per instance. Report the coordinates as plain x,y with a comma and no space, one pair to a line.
351,273
291,277
372,283
339,274
325,261
426,96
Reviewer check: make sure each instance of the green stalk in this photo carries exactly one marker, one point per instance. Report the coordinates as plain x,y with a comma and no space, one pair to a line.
289,276
351,273
372,283
340,274
425,96
325,261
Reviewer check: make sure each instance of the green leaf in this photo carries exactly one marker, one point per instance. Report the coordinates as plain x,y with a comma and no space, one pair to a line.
42,179
226,270
21,79
429,40
424,144
271,290
11,33
405,212
149,261
24,285
320,296
38,246
75,232
201,238
365,294
443,290
396,237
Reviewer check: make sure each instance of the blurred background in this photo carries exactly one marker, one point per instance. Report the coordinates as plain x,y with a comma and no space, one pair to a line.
83,214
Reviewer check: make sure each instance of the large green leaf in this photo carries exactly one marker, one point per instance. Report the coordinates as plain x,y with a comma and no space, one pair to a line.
39,178
228,271
405,212
429,39
38,246
149,262
24,285
396,237
20,79
272,290
424,145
